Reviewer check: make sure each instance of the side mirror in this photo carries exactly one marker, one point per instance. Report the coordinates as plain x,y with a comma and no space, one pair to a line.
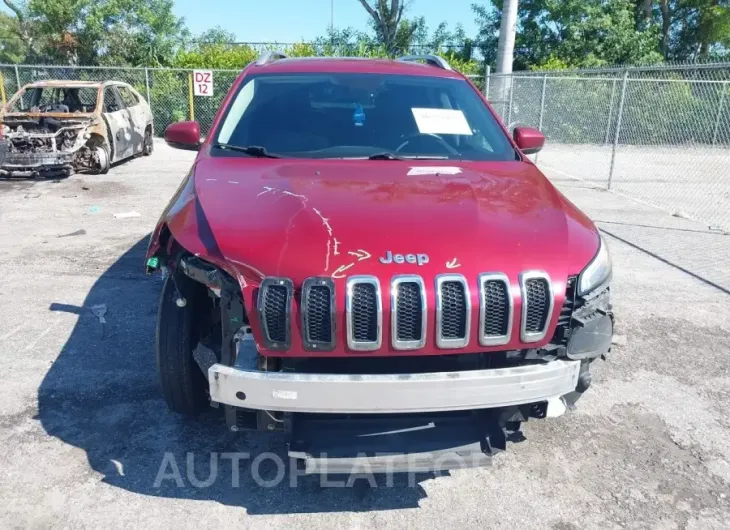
183,135
529,140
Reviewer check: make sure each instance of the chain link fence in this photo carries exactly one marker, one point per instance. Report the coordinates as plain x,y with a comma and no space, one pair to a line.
658,134
168,91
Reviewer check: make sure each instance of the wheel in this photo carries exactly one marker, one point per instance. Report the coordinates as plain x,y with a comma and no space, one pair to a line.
148,144
183,383
101,154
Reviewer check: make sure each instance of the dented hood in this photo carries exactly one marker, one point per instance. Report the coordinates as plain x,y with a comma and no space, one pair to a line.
337,218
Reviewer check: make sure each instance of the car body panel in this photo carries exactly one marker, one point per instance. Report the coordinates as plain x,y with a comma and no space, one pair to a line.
298,218
121,131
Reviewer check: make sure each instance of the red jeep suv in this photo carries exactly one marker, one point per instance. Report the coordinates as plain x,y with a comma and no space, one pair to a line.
361,256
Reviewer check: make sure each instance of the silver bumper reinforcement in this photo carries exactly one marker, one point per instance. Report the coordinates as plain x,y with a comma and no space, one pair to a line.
396,393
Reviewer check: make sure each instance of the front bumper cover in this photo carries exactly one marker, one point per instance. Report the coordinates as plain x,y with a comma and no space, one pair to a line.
392,393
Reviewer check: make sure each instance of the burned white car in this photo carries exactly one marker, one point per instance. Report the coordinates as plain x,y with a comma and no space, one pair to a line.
55,128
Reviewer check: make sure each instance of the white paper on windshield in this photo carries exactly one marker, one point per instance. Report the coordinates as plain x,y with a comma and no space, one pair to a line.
434,170
441,121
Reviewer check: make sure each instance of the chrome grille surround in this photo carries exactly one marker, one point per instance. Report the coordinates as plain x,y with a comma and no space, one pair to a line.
309,320
491,339
395,283
278,342
445,342
352,283
525,277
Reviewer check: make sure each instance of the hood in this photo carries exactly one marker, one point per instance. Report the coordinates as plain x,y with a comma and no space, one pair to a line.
295,219
340,218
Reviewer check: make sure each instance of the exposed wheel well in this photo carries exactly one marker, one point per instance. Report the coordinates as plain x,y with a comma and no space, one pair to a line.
96,140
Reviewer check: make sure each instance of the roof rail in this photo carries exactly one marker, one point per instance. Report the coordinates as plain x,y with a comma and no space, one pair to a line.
269,56
433,60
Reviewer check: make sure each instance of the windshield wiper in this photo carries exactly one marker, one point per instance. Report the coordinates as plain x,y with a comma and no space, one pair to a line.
385,156
256,151
390,156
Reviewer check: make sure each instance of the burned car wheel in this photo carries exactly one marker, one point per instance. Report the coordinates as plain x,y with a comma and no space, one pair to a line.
182,381
148,145
101,156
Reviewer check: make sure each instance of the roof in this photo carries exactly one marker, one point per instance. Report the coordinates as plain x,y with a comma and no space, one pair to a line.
354,65
70,83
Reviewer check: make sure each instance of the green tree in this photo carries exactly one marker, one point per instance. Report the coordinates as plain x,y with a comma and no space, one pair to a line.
581,33
695,29
393,31
99,32
13,47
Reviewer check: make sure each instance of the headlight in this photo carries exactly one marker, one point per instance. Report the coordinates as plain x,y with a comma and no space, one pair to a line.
597,272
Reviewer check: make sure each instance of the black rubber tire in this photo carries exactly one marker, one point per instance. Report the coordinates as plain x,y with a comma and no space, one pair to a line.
103,169
183,384
148,145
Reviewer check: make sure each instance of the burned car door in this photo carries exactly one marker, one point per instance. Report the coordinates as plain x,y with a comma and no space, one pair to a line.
118,121
137,115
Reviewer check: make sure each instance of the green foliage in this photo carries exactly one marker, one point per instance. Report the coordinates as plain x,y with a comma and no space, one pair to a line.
215,56
552,63
98,32
13,48
579,33
591,33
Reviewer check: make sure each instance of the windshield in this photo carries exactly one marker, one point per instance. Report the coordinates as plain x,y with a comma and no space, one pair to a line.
55,99
346,115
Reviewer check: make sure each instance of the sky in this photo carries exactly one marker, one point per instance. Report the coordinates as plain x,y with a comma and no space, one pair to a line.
304,20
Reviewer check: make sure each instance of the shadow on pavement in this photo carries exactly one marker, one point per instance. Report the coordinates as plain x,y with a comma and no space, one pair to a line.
101,395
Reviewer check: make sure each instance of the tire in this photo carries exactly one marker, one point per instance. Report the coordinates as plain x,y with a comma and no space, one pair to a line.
183,383
102,153
148,144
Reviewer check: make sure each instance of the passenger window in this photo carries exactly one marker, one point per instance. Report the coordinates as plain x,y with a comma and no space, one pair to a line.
110,101
128,96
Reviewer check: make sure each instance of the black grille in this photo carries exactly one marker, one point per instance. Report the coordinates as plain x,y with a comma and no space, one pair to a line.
409,317
274,312
319,314
453,310
538,304
496,308
364,313
562,332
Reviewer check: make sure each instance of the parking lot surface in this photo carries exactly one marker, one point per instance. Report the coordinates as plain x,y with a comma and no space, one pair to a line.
85,432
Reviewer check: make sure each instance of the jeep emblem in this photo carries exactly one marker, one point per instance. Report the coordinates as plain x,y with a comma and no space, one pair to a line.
420,259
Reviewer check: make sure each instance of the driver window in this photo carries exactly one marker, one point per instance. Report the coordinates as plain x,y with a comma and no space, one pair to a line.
127,96
110,100
45,97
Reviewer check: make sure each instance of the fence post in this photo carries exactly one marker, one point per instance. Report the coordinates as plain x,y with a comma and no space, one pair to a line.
542,109
487,73
147,83
190,96
542,102
2,88
511,91
719,113
17,77
618,127
610,113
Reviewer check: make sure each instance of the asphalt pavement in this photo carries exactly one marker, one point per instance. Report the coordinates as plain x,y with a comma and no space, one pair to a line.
88,442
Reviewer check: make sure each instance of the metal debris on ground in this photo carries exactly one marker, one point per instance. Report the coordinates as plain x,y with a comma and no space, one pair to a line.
127,215
99,311
76,233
